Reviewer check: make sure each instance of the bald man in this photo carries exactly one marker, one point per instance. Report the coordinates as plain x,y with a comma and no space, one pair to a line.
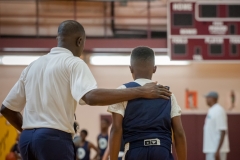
48,91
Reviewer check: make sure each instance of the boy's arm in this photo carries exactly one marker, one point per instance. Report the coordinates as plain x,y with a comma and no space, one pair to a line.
106,154
179,138
115,136
99,151
92,146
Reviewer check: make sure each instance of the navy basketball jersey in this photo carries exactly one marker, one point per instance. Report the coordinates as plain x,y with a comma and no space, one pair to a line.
121,151
147,119
83,153
122,146
102,144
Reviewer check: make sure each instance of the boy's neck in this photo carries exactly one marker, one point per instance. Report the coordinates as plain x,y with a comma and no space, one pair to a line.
143,77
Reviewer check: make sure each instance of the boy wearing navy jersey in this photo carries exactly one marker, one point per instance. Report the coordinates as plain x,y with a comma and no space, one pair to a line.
102,139
146,125
83,148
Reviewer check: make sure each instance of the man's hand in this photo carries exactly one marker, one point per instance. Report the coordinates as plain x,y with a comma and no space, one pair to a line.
152,90
217,155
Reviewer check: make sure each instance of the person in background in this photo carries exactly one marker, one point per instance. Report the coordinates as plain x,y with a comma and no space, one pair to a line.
107,151
14,153
76,137
11,156
83,149
215,138
102,139
120,154
15,148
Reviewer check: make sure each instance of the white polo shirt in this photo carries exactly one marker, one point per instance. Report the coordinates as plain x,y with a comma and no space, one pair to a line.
215,122
48,90
121,107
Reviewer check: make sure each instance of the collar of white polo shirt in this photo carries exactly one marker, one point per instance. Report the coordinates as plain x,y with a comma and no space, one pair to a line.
57,50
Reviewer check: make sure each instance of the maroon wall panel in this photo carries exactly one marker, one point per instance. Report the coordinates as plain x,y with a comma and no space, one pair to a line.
193,125
89,45
234,137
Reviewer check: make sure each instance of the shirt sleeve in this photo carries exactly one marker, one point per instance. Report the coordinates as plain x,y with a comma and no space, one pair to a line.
221,120
119,107
81,81
16,98
175,110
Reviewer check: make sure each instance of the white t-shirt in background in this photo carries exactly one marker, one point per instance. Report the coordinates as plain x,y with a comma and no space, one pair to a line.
215,122
49,89
120,107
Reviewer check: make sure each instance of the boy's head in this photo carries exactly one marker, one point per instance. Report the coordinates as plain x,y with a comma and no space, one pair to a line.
142,62
104,124
83,134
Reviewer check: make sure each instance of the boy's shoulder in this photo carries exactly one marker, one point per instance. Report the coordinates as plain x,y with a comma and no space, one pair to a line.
131,84
128,85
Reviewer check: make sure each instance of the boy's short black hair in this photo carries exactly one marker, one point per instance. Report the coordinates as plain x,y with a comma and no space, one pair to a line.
84,131
142,54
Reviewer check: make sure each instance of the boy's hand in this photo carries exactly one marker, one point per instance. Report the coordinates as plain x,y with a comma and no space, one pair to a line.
152,90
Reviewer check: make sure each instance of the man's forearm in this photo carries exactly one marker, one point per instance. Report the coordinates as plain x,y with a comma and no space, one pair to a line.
14,118
221,140
181,146
111,96
115,143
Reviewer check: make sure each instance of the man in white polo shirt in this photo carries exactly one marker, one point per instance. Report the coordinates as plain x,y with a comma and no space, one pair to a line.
48,91
215,139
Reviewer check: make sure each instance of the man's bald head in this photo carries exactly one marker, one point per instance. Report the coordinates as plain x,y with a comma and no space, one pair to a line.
70,28
71,35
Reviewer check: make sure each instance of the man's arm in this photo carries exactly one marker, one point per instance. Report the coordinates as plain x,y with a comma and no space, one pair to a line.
91,146
115,136
14,118
112,96
217,154
180,138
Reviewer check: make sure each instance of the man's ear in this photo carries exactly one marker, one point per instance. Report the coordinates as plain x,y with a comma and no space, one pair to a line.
154,69
131,69
79,41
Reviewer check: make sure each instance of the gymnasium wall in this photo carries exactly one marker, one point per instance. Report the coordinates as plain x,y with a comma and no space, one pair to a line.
198,77
15,19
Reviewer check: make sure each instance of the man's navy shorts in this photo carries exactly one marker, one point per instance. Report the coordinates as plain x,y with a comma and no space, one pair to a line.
46,144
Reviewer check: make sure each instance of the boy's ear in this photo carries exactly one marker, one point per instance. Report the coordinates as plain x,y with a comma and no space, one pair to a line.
131,69
154,69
